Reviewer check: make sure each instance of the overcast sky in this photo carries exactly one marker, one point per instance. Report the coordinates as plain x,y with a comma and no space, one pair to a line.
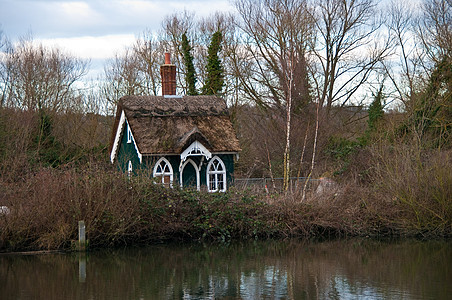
93,29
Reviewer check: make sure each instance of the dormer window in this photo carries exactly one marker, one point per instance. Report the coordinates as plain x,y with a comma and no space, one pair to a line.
216,175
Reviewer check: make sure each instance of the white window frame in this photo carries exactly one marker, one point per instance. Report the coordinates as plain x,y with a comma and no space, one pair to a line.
216,173
129,134
129,168
163,173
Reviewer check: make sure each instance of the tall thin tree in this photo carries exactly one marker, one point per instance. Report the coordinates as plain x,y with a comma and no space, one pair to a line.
190,76
215,73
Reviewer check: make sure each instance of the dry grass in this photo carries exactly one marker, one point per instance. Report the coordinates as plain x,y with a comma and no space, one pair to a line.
401,199
420,183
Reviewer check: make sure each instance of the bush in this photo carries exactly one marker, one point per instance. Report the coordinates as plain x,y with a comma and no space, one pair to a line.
420,183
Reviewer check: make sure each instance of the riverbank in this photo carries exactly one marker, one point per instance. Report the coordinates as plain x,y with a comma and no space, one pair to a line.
45,209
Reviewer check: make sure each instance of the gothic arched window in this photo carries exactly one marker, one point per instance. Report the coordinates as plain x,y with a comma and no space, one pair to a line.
216,175
163,172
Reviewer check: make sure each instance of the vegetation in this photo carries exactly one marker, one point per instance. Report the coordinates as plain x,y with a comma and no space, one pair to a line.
190,77
297,80
214,80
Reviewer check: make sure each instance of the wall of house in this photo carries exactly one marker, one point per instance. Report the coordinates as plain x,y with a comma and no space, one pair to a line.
149,163
228,160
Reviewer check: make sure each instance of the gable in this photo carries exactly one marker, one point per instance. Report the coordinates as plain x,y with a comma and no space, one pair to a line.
195,149
123,132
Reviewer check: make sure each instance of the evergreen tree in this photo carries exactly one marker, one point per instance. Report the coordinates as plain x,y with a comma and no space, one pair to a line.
376,114
190,76
375,111
215,77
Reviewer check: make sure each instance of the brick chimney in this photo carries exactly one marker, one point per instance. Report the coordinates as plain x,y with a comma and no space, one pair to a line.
168,72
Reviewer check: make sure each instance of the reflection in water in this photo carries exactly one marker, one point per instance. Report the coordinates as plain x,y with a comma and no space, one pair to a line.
341,269
82,267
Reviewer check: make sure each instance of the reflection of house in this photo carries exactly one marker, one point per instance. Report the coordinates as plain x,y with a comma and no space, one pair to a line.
185,140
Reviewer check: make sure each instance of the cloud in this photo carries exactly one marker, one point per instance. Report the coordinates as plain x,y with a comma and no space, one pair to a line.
102,47
94,29
58,19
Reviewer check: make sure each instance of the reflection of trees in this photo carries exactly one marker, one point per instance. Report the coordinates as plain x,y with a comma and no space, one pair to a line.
289,270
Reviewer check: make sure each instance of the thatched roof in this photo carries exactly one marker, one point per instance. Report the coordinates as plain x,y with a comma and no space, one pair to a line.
167,125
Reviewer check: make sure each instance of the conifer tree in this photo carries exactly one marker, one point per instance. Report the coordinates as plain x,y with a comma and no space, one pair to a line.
215,77
190,76
375,114
375,111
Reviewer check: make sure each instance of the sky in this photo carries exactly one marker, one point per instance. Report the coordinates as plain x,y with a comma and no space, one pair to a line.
94,29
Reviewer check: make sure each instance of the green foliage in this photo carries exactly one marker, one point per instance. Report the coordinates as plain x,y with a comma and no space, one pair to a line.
190,77
215,73
376,113
46,149
342,150
430,117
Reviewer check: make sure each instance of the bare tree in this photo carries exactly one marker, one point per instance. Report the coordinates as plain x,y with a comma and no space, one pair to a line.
276,35
422,36
134,72
403,66
40,78
3,71
275,31
346,50
435,29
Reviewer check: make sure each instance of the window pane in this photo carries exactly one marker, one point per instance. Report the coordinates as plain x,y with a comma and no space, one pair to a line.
166,180
212,183
220,182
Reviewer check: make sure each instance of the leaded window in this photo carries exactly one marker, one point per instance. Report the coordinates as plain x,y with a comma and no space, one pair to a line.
216,175
163,172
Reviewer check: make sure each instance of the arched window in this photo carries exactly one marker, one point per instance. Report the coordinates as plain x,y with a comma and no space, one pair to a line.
163,172
129,168
216,175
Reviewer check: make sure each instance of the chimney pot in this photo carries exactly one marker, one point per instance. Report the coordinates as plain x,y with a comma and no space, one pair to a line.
167,58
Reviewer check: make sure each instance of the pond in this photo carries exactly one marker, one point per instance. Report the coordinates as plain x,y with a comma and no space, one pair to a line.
338,269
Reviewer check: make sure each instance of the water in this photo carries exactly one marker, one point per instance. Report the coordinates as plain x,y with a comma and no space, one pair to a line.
341,269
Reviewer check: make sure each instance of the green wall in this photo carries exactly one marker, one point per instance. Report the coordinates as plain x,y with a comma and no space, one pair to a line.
127,151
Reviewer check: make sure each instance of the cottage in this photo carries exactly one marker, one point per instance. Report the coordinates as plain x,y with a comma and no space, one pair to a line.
184,140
